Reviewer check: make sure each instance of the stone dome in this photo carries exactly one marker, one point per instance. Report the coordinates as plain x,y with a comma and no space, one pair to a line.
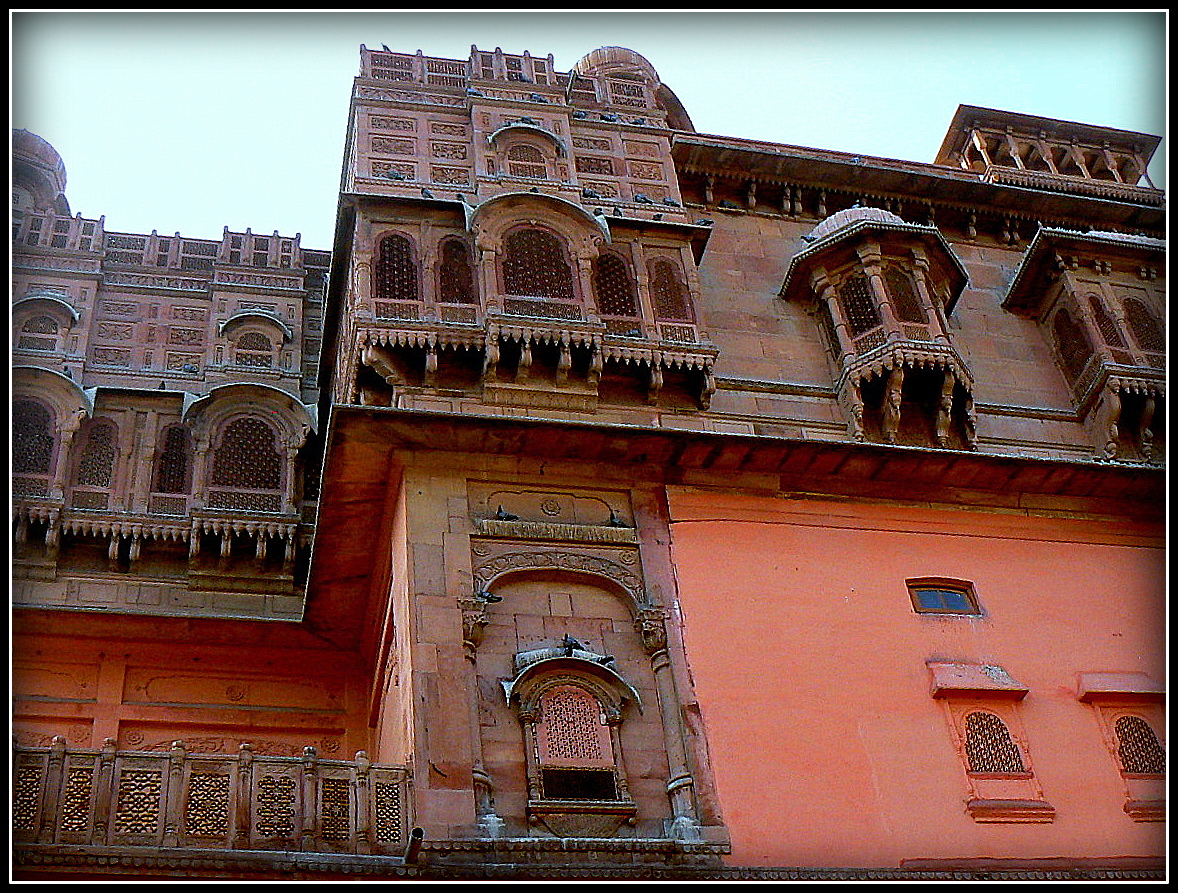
39,170
851,216
615,60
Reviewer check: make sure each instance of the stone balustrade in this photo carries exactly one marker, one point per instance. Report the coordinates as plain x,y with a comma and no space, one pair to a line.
111,800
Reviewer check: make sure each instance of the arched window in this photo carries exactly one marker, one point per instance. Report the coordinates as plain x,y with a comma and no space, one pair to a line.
988,745
32,438
613,287
858,305
172,468
246,457
526,161
668,292
38,333
253,349
396,272
1138,747
1070,339
534,266
573,746
456,274
904,298
96,462
1105,324
1146,330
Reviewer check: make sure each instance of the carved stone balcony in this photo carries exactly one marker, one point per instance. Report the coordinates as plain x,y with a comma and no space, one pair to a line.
179,809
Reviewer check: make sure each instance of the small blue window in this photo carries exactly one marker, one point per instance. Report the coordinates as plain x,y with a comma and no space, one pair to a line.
943,597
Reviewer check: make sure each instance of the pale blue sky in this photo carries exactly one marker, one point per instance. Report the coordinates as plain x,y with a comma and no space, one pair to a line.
192,121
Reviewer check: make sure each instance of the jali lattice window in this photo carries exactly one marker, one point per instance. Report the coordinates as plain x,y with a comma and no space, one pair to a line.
905,301
988,745
534,266
1074,347
1145,328
253,349
526,161
247,457
858,305
32,438
97,460
171,474
614,287
575,753
1138,747
38,333
396,272
668,292
1105,324
456,274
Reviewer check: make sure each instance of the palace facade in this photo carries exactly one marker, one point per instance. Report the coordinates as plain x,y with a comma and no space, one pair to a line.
611,500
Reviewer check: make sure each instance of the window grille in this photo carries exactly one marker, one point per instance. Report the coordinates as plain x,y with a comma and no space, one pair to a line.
32,438
96,464
904,297
1146,330
526,161
1105,324
534,266
574,748
396,275
38,333
456,280
247,457
613,287
668,293
172,473
254,349
858,305
1072,343
1138,747
988,745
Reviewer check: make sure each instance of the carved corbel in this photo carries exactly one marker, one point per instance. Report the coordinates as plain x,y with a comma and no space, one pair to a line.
945,409
655,385
651,625
891,404
1108,420
491,356
565,362
431,365
708,389
1144,431
523,370
853,400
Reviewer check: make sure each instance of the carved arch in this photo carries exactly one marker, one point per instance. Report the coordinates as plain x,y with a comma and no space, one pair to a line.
613,577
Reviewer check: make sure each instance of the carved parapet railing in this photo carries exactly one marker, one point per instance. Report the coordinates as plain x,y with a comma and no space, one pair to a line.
144,800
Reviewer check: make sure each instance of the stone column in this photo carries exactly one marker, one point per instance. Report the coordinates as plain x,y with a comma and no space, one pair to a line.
872,260
474,620
652,627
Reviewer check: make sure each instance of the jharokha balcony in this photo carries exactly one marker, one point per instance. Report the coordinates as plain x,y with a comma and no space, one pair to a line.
199,812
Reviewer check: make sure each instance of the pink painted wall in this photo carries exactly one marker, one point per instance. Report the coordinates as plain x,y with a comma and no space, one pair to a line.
809,666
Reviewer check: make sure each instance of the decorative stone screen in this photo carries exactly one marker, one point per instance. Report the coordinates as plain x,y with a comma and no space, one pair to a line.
988,745
96,463
246,457
613,287
534,266
526,161
1138,747
171,474
574,750
904,298
38,333
668,292
1074,348
253,349
396,273
456,276
1144,327
858,305
32,438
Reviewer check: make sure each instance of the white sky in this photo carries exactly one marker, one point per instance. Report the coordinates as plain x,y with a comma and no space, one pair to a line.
193,121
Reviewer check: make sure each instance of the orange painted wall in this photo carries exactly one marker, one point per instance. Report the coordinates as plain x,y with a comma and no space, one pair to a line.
809,666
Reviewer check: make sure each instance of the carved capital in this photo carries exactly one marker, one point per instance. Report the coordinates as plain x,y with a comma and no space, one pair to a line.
651,625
